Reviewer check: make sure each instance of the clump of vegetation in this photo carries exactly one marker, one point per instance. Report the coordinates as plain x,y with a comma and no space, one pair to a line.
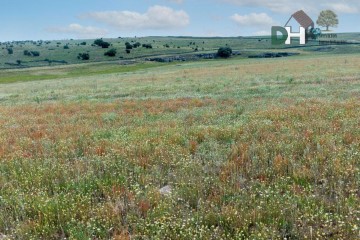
84,56
147,45
66,47
83,43
111,53
31,53
224,52
102,43
136,45
128,46
10,50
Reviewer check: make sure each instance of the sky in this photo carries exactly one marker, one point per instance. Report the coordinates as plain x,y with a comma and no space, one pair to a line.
84,19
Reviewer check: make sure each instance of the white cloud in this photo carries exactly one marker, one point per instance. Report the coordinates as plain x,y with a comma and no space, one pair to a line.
343,8
253,20
175,1
79,30
290,6
156,17
262,33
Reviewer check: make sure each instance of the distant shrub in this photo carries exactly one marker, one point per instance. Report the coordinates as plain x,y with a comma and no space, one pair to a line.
128,51
105,45
147,45
128,46
224,52
83,43
101,43
83,56
35,53
111,53
136,45
10,50
31,53
66,47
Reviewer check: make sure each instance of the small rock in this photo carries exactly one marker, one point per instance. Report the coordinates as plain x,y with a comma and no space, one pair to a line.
165,191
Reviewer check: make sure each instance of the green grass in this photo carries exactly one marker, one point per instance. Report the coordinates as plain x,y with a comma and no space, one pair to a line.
177,45
252,149
70,71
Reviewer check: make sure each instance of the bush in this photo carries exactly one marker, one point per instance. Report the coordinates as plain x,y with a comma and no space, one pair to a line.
66,47
101,43
128,46
136,45
10,51
35,53
83,56
111,53
105,45
31,53
224,52
147,46
128,51
98,42
83,43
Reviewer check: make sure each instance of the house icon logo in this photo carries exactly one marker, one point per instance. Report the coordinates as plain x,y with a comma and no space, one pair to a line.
306,30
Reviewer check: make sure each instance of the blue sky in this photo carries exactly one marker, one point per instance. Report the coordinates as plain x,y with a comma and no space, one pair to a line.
80,19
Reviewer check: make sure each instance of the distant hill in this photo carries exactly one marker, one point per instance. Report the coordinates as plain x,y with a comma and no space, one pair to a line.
23,54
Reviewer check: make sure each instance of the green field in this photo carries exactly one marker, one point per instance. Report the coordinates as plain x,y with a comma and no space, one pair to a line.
250,148
53,52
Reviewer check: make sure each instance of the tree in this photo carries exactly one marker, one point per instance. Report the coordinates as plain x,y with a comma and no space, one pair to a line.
31,53
35,53
224,52
111,53
128,46
327,18
101,43
10,51
148,46
83,56
105,45
98,42
136,45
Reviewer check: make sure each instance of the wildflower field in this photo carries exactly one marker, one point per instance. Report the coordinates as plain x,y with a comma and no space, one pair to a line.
250,149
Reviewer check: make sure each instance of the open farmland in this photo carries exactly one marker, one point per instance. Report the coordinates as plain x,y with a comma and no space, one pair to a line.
65,52
222,149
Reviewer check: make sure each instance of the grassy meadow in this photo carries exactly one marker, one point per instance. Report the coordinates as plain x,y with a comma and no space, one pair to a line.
250,149
64,52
